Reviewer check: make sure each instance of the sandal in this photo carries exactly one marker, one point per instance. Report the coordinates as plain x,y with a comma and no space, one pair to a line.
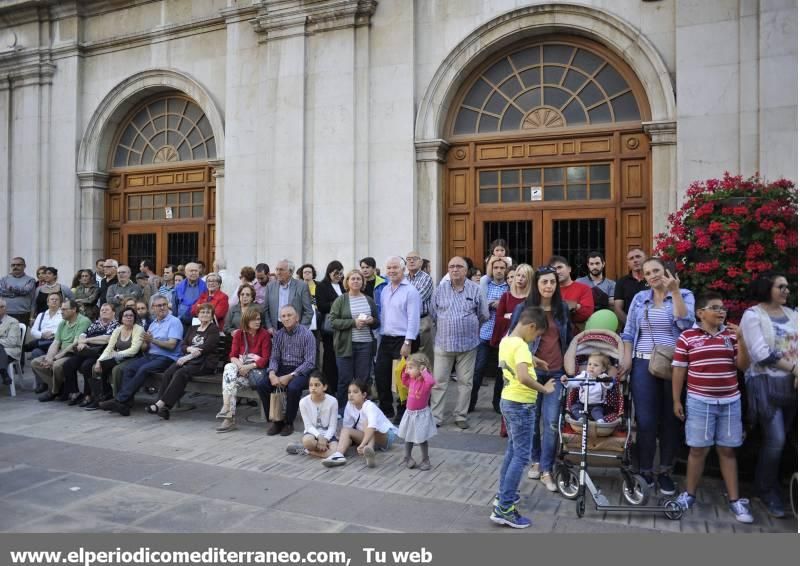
225,413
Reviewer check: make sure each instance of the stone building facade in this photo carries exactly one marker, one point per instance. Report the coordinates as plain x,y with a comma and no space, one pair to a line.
321,129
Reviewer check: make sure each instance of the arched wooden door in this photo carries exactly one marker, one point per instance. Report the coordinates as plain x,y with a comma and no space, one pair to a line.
548,153
160,203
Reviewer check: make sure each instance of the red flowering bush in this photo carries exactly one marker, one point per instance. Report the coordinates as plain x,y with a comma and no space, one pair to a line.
728,232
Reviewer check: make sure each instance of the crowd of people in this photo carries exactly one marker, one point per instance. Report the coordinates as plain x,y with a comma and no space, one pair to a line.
346,333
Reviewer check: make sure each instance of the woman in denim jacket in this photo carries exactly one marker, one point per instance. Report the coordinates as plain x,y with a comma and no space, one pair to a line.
657,316
548,356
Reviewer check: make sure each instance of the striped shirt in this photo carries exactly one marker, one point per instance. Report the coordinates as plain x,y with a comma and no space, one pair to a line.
359,305
655,326
424,284
458,315
493,293
296,349
711,359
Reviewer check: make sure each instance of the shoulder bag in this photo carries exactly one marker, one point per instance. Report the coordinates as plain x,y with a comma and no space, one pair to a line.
660,364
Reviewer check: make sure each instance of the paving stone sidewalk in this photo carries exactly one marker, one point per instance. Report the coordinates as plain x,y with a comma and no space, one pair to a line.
141,473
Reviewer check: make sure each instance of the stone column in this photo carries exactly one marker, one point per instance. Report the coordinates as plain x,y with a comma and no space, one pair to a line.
431,155
219,224
5,172
93,187
664,155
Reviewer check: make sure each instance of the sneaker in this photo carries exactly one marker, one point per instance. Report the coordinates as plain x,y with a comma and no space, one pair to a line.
685,500
741,508
496,501
334,460
369,456
648,478
463,425
548,482
510,517
296,449
425,465
774,506
665,484
534,473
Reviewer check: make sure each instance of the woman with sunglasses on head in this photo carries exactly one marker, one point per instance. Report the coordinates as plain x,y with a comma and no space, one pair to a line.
328,290
548,356
656,317
50,285
770,334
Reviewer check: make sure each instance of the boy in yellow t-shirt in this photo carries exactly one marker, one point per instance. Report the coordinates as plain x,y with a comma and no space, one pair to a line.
518,405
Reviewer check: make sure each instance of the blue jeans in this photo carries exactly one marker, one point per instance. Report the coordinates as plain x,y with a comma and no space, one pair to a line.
773,439
545,436
519,419
135,374
358,366
652,400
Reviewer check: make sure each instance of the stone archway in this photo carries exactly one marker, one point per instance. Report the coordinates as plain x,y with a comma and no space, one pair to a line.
98,138
512,27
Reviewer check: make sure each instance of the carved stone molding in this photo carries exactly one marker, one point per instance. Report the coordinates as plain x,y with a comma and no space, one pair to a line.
219,168
432,150
661,133
93,180
27,67
278,19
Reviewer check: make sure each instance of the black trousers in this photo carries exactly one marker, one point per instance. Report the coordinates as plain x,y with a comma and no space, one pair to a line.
175,378
329,367
3,360
388,351
82,361
100,386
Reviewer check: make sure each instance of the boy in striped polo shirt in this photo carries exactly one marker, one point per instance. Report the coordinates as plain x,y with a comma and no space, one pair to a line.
706,358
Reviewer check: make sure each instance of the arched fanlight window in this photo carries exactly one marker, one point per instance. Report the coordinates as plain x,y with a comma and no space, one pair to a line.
548,85
168,129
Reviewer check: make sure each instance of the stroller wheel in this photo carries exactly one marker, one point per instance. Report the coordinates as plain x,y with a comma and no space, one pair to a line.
580,505
567,482
635,489
673,510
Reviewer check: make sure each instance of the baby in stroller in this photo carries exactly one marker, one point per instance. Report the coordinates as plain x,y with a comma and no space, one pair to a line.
597,365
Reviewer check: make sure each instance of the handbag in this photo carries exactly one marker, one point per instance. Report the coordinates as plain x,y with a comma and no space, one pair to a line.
781,391
327,324
257,378
277,404
660,364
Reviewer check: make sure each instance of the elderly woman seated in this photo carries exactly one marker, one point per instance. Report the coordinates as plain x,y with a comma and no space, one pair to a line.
199,357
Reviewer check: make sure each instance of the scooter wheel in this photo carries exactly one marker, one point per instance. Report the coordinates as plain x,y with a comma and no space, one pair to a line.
635,489
567,482
580,506
672,510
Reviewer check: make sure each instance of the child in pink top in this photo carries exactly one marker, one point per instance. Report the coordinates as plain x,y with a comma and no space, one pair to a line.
418,424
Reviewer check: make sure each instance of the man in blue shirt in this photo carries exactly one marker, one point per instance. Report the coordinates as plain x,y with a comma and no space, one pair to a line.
187,292
163,339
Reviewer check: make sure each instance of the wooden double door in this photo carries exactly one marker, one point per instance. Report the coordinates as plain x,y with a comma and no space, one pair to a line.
164,215
561,195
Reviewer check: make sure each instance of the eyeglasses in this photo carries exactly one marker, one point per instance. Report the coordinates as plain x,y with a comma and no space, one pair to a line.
160,306
545,269
17,265
782,287
715,308
413,258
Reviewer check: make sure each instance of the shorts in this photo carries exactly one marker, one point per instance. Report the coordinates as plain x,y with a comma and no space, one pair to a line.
711,424
391,435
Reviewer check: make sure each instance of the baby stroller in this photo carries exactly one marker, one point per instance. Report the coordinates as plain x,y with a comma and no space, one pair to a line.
607,441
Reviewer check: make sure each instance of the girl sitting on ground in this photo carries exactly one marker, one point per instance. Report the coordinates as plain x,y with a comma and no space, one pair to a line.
417,425
320,413
365,424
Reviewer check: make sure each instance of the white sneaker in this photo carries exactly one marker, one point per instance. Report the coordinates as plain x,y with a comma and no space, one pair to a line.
534,473
369,456
334,460
548,482
741,508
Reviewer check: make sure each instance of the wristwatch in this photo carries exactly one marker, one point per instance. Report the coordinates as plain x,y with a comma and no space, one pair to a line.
407,342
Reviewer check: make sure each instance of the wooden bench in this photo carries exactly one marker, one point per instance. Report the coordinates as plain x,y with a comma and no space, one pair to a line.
211,384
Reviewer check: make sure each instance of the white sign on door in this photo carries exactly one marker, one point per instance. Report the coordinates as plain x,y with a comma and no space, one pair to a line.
536,193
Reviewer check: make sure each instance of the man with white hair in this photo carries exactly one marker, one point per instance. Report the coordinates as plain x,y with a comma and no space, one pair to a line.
401,306
187,292
286,290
